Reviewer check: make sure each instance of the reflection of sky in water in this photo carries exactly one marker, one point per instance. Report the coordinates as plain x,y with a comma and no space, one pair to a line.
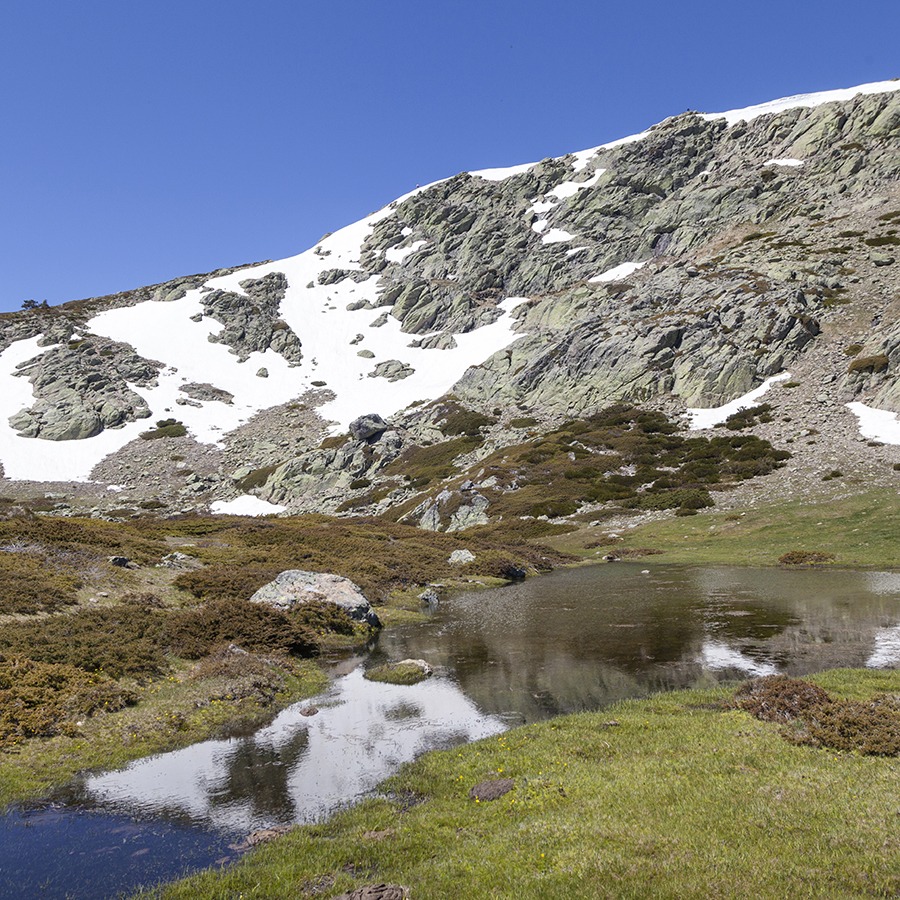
308,765
716,655
883,582
887,648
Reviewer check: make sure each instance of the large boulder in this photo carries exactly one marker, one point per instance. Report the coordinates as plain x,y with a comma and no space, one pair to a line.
367,426
295,587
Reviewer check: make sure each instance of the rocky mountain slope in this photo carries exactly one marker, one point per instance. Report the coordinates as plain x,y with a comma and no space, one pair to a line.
448,360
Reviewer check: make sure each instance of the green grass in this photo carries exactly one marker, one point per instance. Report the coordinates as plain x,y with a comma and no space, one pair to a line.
860,531
676,796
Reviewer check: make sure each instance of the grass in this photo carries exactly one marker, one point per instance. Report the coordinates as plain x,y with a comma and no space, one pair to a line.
397,673
679,796
859,531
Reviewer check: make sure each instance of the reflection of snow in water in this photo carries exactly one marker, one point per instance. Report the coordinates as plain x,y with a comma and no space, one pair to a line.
883,582
887,648
718,655
363,732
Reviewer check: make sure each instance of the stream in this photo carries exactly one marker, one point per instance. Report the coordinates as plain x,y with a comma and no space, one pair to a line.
578,639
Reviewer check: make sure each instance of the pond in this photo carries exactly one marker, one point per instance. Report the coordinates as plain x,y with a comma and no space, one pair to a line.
578,639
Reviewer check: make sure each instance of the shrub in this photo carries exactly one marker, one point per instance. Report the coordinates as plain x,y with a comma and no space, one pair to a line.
853,349
257,478
28,586
869,364
871,728
165,428
745,418
805,558
118,641
44,699
252,626
778,698
523,422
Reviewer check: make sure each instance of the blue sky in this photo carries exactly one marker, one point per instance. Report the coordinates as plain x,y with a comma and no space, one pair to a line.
142,141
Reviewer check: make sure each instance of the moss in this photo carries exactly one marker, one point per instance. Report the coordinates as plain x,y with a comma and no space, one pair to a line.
853,349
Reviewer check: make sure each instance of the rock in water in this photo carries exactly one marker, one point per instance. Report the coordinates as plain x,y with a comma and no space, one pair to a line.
296,587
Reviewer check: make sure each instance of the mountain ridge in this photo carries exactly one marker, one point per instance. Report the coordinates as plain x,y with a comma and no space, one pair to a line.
679,267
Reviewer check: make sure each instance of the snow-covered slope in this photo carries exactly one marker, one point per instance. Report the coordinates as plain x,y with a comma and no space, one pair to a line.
350,347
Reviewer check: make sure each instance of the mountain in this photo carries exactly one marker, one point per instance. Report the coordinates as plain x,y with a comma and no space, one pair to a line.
459,354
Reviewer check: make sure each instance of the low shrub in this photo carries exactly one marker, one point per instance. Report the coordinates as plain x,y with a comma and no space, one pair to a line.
165,428
257,478
253,626
28,585
805,558
871,728
869,364
117,641
779,698
45,699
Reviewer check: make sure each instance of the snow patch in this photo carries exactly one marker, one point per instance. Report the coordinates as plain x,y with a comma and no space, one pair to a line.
785,161
708,418
876,424
748,113
556,236
500,174
398,254
617,273
245,505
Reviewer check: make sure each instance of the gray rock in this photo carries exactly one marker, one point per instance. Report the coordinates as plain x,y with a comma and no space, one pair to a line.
367,426
262,372
461,557
392,370
251,321
295,587
207,392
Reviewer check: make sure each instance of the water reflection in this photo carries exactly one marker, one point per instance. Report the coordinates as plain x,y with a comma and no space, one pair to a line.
583,638
299,768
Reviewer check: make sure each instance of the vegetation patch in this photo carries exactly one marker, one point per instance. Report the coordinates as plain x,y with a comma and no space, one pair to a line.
165,428
623,455
257,478
406,672
28,585
747,418
871,365
870,727
42,700
805,558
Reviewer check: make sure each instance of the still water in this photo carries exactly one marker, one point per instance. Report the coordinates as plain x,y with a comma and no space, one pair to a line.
574,640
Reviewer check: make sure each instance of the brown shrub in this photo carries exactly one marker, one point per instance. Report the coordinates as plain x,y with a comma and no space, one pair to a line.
805,558
45,699
252,626
28,586
871,727
117,641
778,698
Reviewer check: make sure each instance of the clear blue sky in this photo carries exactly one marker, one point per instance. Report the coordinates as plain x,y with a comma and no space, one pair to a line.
141,140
